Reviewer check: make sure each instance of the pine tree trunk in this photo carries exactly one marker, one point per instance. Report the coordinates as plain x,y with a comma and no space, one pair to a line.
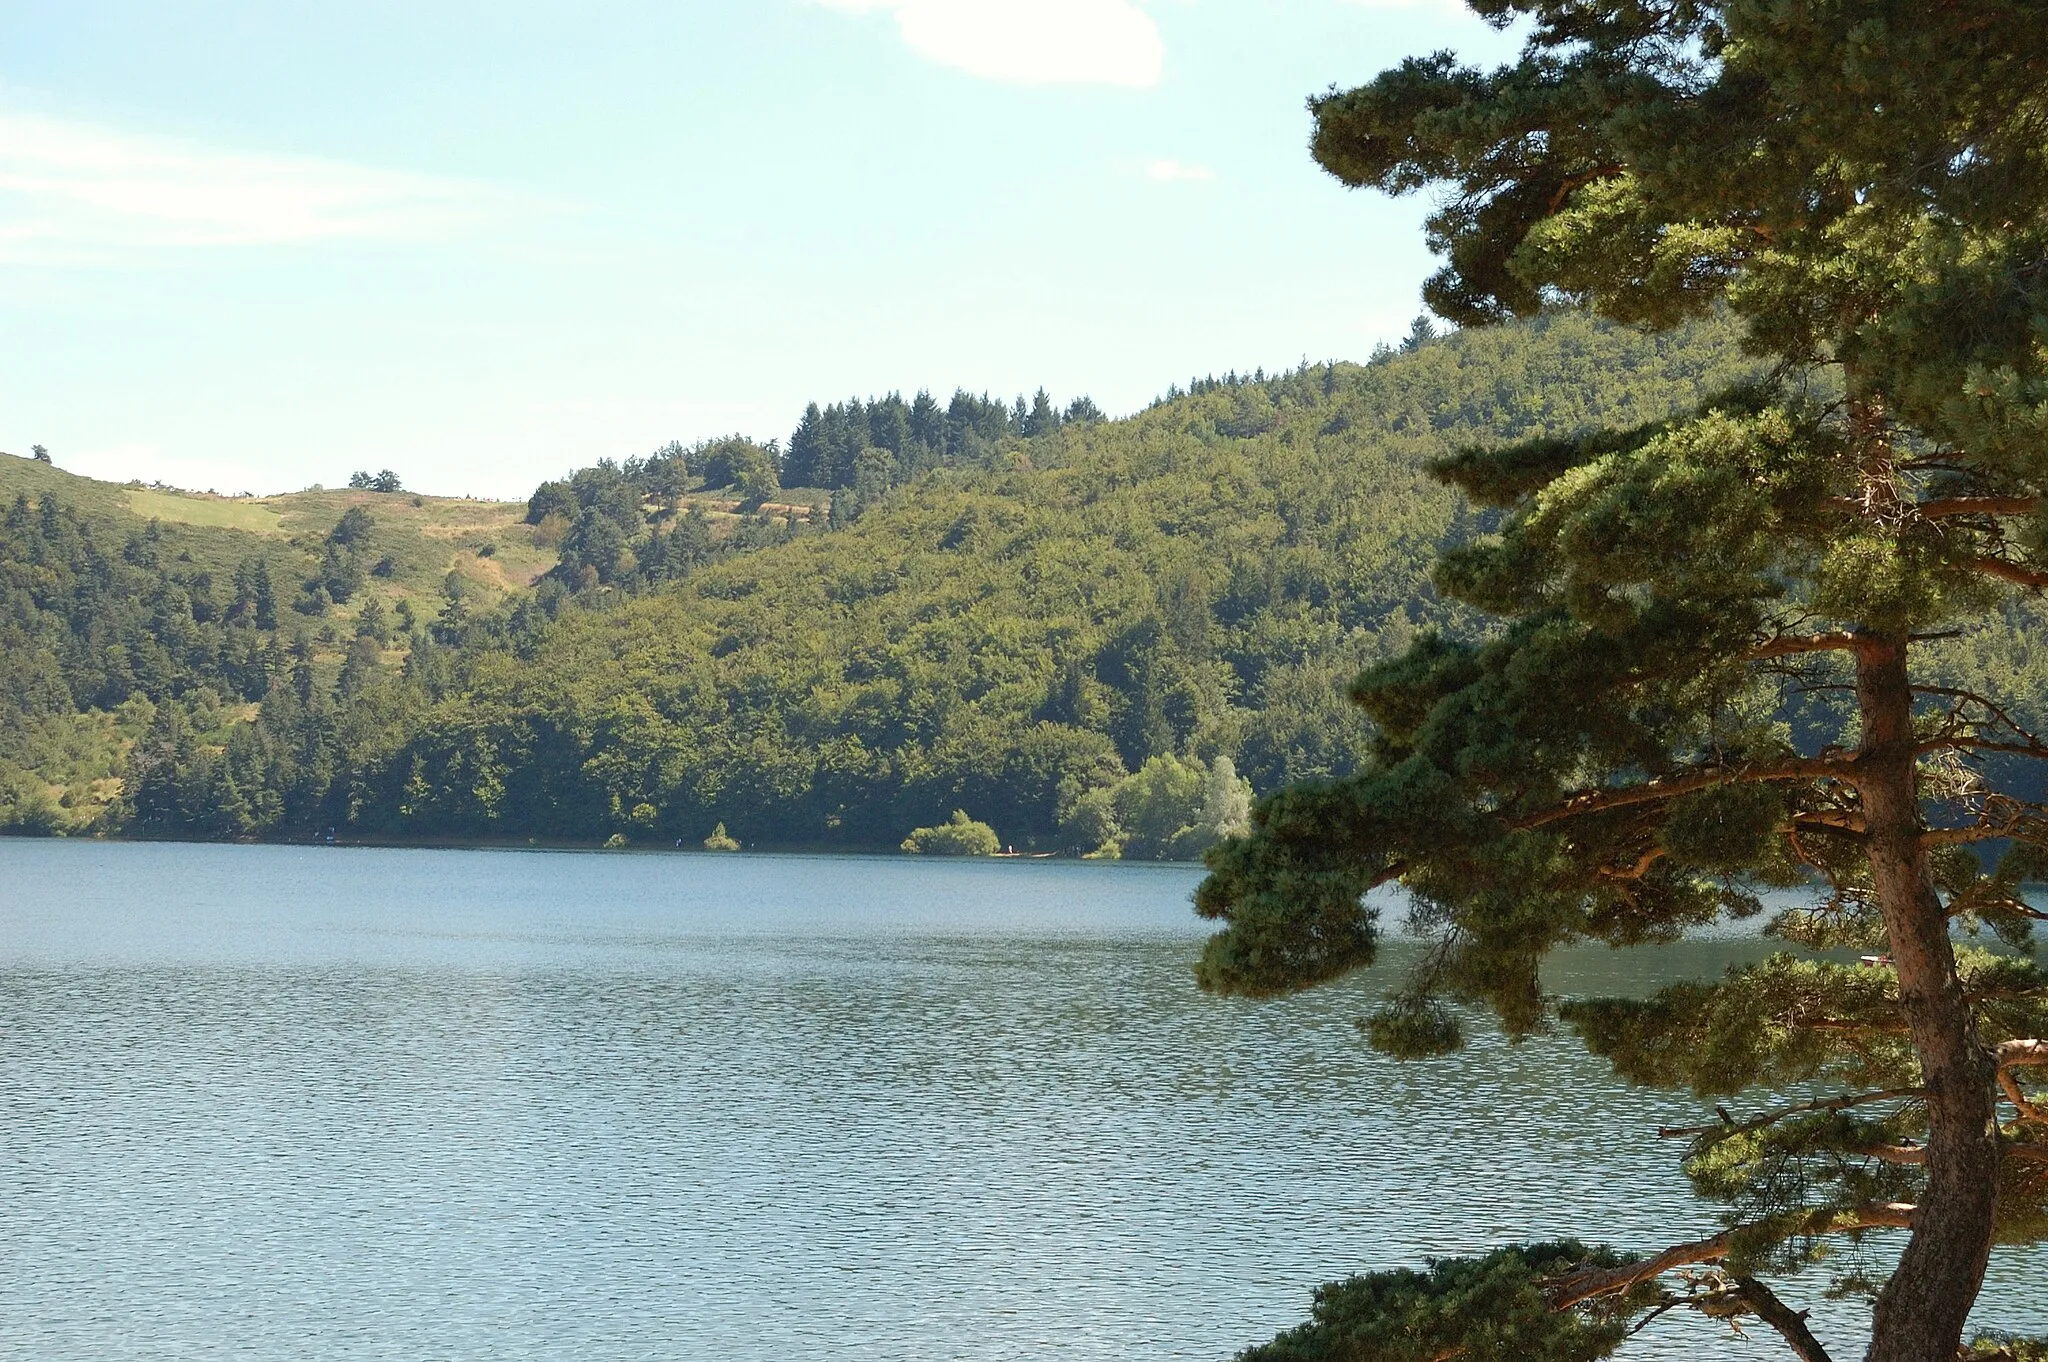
1922,1311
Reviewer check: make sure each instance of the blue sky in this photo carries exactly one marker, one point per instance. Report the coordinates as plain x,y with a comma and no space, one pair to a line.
256,246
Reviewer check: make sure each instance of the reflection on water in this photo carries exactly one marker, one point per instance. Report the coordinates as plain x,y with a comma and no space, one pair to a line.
275,1103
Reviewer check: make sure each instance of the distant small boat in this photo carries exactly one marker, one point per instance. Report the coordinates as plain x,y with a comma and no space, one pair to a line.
1875,961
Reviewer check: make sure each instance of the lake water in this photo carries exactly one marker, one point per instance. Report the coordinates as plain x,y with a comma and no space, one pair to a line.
298,1103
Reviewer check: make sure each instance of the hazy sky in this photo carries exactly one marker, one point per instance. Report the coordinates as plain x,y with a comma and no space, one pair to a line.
256,246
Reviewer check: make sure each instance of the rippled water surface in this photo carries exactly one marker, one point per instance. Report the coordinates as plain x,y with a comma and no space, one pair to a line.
269,1103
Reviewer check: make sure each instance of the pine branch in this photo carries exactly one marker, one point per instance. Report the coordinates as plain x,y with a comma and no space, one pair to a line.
1911,1155
1840,820
2019,749
1954,731
1584,1285
1789,645
1998,711
1842,1103
1790,1323
2002,816
1670,787
1743,1294
2019,1054
1634,872
1892,507
2019,908
1940,507
1955,837
2012,572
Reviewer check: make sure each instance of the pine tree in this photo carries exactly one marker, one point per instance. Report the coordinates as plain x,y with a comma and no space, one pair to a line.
927,422
1041,419
1712,674
263,596
800,463
889,424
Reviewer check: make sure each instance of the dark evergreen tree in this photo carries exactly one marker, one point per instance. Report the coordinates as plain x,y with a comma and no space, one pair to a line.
551,498
262,596
352,530
1716,669
801,462
1041,419
927,422
974,423
889,424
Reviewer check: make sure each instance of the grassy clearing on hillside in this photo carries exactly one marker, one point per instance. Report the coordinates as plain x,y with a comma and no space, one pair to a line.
414,543
426,538
95,498
227,513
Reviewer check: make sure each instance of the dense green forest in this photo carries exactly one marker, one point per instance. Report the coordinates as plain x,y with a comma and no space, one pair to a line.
1085,633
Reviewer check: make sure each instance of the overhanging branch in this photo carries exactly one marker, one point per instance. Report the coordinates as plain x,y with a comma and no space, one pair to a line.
1790,645
1938,508
1842,1103
2019,1054
1790,1323
1934,508
2012,572
1670,787
1588,1283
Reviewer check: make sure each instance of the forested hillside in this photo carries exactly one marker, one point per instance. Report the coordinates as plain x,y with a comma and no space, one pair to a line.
114,598
1079,631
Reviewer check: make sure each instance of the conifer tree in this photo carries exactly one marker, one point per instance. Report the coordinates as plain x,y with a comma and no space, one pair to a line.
889,424
800,464
263,595
1041,419
1711,675
927,422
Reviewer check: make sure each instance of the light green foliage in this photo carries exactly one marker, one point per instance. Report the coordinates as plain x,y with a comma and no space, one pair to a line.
2002,1348
957,836
1226,806
1169,809
1157,805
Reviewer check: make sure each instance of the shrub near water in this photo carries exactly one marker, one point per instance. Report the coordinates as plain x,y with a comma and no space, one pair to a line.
958,836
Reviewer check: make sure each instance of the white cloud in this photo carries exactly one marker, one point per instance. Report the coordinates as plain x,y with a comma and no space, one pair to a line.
1030,42
75,193
1170,169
